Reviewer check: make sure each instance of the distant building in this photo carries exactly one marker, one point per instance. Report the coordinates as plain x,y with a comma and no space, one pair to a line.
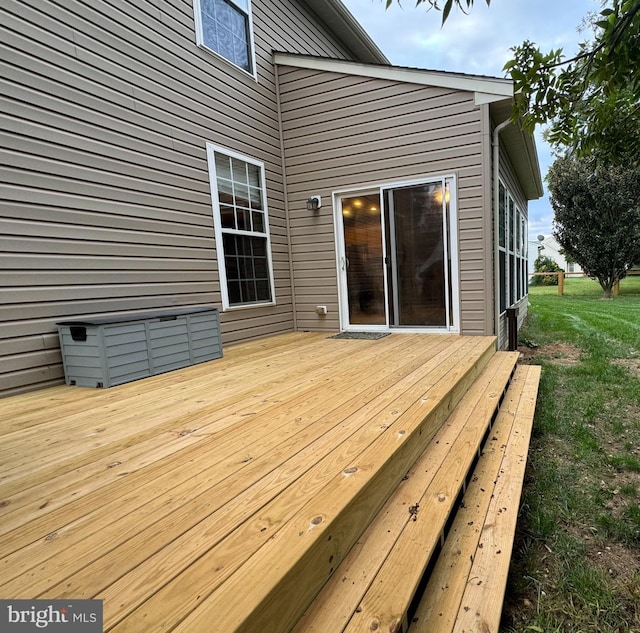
549,247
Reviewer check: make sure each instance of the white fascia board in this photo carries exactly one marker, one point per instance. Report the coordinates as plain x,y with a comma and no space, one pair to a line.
534,162
484,97
491,89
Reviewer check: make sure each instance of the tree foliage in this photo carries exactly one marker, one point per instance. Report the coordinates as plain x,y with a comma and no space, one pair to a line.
444,5
597,216
544,264
591,100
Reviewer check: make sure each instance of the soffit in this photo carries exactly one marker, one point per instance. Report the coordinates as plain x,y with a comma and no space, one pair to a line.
520,145
341,22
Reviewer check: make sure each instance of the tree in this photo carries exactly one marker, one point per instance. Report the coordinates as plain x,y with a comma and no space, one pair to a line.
597,216
592,99
445,6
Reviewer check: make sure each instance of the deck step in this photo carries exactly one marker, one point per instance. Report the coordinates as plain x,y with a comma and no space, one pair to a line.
398,545
272,588
466,589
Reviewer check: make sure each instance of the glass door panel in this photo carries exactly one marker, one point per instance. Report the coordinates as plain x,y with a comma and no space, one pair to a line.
364,259
416,237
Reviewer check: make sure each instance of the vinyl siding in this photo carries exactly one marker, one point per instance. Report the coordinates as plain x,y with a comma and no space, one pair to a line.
342,131
106,107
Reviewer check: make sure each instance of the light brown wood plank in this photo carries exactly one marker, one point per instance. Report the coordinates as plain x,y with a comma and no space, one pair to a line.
123,460
300,568
481,605
309,471
212,423
197,489
260,436
404,566
155,396
440,606
14,412
341,596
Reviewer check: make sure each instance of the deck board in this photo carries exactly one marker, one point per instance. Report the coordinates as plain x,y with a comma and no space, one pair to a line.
183,422
356,427
482,601
196,476
223,462
298,554
389,553
466,588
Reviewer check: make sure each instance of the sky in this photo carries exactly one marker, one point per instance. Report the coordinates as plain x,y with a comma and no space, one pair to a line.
477,43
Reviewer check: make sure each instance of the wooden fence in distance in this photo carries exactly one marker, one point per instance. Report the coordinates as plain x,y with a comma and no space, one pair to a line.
561,275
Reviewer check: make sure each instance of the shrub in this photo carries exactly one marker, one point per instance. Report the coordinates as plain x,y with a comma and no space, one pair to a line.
544,264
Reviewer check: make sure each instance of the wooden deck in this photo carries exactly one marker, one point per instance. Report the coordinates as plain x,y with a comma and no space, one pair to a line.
182,500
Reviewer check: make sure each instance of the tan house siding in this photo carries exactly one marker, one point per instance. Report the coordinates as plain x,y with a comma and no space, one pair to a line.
341,131
106,109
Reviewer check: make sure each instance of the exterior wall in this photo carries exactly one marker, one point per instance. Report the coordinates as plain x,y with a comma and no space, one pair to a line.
551,249
106,108
508,176
342,131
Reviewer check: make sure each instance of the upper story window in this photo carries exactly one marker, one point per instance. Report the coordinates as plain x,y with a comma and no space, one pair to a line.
224,27
241,227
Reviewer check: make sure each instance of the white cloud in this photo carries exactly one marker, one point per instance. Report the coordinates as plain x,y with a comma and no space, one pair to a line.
478,43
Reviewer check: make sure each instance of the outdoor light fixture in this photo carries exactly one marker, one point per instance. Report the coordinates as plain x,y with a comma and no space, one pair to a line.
314,203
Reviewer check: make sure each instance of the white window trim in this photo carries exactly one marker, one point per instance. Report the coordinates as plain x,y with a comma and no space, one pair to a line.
512,247
218,231
197,14
504,249
512,211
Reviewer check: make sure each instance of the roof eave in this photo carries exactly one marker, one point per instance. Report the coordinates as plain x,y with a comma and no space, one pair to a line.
486,89
339,19
520,145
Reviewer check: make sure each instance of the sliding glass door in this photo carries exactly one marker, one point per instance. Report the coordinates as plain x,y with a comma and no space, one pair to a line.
396,260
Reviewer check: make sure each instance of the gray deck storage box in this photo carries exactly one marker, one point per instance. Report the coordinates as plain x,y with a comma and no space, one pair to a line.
112,351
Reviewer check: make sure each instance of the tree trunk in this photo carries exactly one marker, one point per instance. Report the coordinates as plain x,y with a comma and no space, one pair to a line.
606,283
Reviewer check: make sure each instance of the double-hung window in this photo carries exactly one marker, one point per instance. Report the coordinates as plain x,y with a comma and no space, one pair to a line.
241,226
224,27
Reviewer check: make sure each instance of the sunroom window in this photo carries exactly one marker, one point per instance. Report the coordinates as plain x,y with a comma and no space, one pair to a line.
241,227
224,27
502,249
512,250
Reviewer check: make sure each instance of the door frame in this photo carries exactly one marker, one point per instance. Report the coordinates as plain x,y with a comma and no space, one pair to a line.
340,252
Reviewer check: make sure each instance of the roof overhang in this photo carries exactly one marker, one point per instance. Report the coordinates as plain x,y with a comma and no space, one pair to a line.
520,146
485,89
340,21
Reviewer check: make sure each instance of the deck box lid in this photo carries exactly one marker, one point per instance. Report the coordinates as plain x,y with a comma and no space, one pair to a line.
138,316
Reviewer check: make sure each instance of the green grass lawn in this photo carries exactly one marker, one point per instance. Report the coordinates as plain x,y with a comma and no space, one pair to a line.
576,564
